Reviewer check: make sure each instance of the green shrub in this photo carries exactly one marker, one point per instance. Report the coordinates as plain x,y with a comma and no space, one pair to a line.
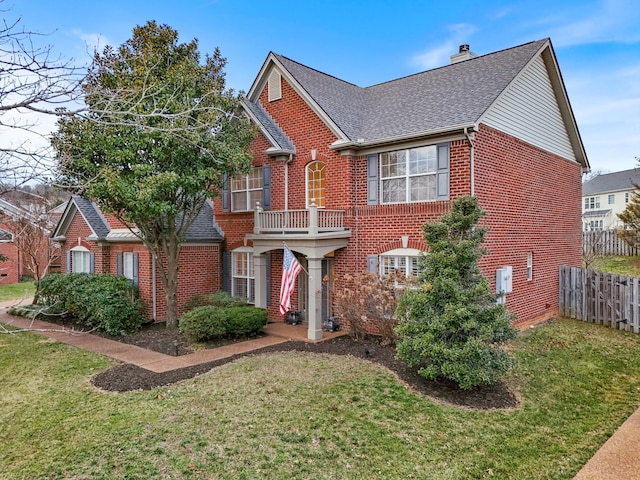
218,299
209,322
245,321
108,303
204,323
451,326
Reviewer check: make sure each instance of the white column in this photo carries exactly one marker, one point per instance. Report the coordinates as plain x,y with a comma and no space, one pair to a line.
315,299
260,275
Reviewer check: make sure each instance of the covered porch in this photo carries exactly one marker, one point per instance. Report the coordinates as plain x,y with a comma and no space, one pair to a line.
314,233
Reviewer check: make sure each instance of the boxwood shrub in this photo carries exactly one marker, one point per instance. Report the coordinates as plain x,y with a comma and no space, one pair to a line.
245,321
209,322
102,301
204,323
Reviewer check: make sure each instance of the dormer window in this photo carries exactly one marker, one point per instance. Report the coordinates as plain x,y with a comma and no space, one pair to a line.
275,86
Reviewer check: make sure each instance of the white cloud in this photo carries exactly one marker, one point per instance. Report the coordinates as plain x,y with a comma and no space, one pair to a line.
600,22
92,41
606,103
438,56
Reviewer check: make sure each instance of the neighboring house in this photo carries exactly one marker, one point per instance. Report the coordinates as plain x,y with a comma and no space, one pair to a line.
93,242
605,196
24,241
346,176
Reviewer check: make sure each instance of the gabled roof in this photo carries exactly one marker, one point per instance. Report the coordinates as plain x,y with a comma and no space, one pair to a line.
441,100
612,182
204,227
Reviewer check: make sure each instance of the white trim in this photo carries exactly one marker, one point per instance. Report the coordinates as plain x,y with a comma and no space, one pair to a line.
402,252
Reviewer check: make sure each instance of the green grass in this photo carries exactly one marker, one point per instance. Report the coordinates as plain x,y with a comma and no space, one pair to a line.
629,266
16,291
304,416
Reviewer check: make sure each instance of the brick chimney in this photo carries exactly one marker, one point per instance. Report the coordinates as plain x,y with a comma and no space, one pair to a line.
463,54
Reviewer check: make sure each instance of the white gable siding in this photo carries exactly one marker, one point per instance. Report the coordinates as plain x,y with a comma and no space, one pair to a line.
528,110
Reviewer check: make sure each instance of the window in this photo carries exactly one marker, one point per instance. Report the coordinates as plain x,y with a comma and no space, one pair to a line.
530,266
127,265
402,265
81,260
5,236
242,279
591,202
409,175
315,183
595,225
246,190
626,197
612,199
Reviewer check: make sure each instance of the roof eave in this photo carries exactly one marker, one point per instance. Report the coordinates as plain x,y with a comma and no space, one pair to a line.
358,145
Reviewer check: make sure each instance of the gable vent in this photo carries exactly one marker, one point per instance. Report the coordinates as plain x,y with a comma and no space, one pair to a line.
275,86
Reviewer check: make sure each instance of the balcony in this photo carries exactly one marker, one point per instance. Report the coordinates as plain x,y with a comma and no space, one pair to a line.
312,222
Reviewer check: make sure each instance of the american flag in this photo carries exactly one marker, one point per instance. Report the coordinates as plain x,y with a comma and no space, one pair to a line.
290,270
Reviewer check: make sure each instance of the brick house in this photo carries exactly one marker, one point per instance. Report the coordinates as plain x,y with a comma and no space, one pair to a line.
346,176
98,243
24,233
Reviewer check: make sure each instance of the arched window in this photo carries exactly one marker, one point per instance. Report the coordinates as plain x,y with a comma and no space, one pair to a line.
403,261
315,183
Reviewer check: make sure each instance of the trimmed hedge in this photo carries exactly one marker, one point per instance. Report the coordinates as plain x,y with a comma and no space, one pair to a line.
245,321
209,322
101,301
204,323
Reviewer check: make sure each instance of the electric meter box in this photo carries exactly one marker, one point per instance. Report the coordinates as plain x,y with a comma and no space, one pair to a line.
504,282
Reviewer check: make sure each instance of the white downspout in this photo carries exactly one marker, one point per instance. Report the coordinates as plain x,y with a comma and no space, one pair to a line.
286,182
472,162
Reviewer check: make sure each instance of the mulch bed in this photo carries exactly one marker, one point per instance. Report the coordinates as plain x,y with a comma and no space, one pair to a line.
127,377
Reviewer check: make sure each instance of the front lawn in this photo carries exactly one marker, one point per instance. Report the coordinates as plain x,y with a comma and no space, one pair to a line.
17,291
300,415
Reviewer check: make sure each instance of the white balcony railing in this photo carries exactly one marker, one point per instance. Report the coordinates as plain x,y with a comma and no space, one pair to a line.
310,221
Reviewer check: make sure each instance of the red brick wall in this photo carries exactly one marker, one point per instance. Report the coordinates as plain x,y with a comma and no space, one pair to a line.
10,268
531,196
532,199
200,269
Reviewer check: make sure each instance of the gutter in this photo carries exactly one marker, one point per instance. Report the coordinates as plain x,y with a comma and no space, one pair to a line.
359,144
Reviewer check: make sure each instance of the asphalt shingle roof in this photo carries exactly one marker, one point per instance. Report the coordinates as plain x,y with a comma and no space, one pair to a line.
282,141
612,182
448,96
92,215
203,228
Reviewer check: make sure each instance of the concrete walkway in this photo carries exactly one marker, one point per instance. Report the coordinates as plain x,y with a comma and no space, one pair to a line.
617,459
150,360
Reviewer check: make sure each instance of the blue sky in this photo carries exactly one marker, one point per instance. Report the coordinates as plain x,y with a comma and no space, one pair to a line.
597,43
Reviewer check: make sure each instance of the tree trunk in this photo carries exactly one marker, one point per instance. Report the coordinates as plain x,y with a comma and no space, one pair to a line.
172,251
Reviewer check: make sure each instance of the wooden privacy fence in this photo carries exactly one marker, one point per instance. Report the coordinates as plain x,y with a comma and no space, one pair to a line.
607,242
603,298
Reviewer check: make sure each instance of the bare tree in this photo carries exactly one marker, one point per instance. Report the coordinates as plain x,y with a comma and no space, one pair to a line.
34,81
593,243
31,227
